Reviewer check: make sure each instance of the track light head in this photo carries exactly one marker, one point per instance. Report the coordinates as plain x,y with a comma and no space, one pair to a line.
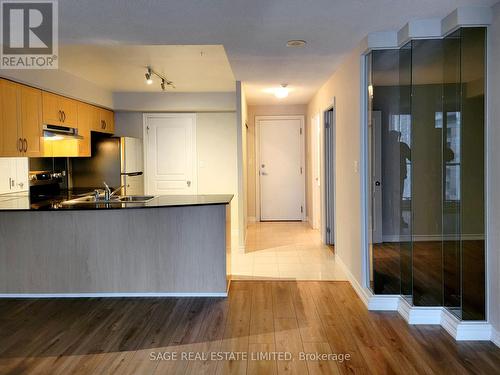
163,84
149,77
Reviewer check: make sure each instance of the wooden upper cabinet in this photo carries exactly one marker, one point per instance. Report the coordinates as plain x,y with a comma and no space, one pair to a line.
10,139
102,121
85,112
31,121
107,121
21,120
69,108
58,110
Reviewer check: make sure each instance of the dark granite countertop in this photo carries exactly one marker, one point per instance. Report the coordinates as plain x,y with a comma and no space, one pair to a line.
23,202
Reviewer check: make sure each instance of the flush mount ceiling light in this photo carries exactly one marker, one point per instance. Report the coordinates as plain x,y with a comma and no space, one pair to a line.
163,81
281,92
296,43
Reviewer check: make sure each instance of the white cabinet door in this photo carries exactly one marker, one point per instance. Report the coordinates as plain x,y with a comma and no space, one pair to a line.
13,175
21,166
5,175
170,154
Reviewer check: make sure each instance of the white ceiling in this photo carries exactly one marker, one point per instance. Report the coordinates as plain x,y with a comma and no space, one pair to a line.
122,67
253,33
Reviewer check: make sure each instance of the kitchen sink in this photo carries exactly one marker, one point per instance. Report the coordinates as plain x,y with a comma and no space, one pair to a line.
136,198
90,199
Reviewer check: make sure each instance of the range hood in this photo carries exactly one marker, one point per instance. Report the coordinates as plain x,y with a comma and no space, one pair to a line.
56,132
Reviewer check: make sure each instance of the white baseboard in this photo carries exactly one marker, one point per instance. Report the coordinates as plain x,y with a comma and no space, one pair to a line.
424,315
495,337
466,330
459,330
383,303
111,295
364,293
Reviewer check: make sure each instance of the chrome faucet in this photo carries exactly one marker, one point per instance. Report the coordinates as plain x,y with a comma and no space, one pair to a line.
116,190
107,191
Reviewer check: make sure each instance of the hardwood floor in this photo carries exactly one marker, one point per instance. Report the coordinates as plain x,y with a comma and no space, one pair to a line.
120,336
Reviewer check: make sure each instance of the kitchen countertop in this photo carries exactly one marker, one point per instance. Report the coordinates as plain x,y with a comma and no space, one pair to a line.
23,202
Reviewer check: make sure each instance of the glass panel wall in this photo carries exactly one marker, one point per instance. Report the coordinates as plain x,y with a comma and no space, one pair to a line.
405,128
426,172
472,177
452,124
426,112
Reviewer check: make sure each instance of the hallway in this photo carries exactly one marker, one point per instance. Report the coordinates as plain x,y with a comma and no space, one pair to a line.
285,250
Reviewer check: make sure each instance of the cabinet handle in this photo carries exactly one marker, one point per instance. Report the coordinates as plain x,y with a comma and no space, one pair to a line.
25,144
64,116
60,115
20,145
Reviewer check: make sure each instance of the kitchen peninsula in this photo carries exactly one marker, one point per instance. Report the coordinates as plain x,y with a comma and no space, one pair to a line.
167,246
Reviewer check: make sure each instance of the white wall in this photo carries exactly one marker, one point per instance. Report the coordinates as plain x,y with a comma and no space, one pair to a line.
344,86
60,82
493,172
174,101
216,152
241,122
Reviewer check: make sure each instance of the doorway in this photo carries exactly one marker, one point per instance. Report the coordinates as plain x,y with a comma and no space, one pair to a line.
170,153
329,121
316,171
280,168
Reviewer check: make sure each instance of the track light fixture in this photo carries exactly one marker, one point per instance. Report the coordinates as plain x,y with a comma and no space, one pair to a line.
164,82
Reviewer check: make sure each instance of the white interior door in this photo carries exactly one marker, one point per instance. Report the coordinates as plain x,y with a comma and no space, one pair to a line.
316,171
170,153
282,183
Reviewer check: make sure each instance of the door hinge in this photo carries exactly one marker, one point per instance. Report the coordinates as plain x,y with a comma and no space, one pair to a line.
147,129
300,170
301,209
300,131
327,230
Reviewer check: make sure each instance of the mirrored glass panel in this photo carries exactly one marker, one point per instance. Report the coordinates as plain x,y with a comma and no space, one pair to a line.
427,172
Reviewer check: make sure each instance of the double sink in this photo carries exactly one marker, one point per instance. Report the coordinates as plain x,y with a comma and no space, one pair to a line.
115,200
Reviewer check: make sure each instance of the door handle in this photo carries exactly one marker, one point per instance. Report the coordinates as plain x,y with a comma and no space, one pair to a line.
20,145
188,183
25,144
377,183
263,173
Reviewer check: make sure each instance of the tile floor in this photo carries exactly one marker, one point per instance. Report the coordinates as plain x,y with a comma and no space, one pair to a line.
285,250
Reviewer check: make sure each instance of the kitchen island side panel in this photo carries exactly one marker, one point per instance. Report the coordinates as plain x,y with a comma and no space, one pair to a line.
151,250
